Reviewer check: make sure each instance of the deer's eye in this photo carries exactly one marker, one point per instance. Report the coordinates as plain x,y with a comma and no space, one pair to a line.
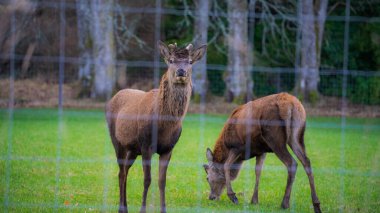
191,61
171,61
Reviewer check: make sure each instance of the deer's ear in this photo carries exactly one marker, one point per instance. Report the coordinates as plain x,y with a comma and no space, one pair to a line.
206,167
197,54
164,50
209,155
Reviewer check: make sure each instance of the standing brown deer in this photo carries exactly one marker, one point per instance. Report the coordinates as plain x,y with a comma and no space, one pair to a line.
144,123
267,124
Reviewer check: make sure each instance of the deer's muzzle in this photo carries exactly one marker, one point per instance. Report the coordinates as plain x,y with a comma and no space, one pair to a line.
181,73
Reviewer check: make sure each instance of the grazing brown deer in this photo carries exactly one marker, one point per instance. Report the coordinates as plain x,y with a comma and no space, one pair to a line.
267,124
144,123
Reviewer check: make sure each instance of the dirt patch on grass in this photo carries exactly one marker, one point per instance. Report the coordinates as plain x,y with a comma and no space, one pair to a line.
333,106
39,94
34,93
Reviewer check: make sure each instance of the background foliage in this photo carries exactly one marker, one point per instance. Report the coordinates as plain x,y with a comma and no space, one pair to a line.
272,49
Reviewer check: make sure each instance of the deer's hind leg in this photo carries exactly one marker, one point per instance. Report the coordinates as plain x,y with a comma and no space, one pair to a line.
259,166
277,143
125,160
297,145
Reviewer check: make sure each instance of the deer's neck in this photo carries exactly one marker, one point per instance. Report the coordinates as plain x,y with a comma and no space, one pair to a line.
220,151
173,100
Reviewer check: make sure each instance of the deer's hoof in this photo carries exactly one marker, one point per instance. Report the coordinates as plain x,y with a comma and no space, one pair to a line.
317,208
233,198
285,205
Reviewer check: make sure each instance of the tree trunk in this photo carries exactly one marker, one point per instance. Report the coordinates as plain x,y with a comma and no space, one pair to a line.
103,48
85,74
251,40
27,58
321,12
239,83
14,16
200,37
312,27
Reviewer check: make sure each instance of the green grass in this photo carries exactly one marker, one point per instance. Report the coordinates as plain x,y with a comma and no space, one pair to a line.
48,163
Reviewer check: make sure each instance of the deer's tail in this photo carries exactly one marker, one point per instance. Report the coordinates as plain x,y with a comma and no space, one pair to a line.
293,117
301,136
295,126
289,123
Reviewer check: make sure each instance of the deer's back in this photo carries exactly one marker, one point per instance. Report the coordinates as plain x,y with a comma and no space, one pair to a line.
278,107
125,99
267,114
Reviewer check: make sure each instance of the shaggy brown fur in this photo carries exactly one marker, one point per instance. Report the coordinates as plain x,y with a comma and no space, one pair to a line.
267,124
144,123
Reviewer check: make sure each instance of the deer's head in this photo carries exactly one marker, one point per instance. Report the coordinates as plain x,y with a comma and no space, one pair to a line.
180,61
215,176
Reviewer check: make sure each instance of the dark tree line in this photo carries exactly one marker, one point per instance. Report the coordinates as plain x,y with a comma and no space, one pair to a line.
241,35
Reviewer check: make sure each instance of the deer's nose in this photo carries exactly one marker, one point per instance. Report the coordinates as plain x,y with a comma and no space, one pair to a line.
181,73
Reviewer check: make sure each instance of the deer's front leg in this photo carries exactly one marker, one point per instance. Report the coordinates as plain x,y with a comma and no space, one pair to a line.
164,162
227,172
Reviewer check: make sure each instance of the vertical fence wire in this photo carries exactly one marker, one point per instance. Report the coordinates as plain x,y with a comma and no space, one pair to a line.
157,37
344,101
156,82
202,118
10,113
62,21
201,142
156,69
201,150
107,148
298,46
249,121
297,72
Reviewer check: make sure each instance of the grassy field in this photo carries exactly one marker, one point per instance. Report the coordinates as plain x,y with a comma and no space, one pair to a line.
48,163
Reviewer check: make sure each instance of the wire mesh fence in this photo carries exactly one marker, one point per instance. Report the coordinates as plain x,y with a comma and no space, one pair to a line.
43,63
